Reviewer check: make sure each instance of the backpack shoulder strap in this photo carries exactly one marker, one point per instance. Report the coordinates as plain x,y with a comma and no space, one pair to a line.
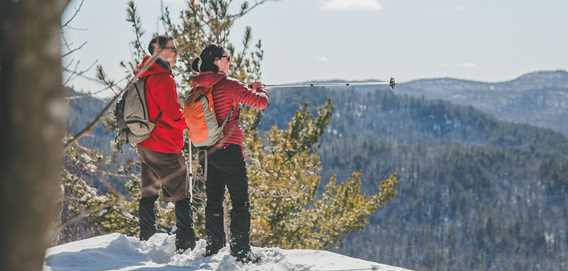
146,95
233,106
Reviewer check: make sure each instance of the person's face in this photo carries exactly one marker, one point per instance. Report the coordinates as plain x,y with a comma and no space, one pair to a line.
169,53
224,62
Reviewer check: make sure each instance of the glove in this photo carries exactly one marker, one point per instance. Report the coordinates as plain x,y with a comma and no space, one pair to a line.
256,86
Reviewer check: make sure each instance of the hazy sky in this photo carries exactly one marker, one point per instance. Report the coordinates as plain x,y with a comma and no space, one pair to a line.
489,40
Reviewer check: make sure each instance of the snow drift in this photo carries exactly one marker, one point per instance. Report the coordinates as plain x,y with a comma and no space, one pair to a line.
119,252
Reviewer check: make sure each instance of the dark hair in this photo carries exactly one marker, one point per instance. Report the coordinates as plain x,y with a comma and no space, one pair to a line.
160,41
205,61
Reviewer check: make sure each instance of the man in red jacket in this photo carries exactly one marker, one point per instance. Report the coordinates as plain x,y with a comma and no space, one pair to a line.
163,166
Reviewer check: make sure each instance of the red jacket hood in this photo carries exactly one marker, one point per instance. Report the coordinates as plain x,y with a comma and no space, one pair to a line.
154,69
207,79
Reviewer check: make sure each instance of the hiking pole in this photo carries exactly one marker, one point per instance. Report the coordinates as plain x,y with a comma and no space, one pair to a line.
189,170
391,83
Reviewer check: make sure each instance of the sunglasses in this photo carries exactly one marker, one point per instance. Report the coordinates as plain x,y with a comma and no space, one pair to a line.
173,48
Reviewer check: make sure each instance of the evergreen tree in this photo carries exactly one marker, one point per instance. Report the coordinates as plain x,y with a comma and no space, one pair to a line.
283,167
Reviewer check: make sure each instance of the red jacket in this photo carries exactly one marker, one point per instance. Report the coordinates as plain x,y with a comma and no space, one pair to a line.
164,109
226,94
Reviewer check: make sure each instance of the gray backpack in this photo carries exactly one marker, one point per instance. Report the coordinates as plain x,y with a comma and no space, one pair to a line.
133,122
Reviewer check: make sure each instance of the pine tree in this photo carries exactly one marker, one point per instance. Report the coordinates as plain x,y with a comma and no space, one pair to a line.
283,166
284,176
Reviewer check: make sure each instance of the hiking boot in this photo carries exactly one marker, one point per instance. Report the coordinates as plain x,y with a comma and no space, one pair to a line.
211,250
183,245
185,235
147,217
247,257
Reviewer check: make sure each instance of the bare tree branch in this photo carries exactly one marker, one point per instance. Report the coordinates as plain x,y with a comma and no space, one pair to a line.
67,67
74,72
78,73
255,5
95,92
245,11
75,13
82,73
74,50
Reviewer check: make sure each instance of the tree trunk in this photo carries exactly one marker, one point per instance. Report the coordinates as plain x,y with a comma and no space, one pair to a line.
32,125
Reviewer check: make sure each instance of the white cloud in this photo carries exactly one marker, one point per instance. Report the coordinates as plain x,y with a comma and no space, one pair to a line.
372,5
322,59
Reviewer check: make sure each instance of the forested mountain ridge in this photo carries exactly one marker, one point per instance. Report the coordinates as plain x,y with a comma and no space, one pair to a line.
476,193
538,98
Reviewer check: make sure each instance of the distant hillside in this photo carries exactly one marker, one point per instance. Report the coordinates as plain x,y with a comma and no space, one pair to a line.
539,98
382,113
83,109
477,192
469,182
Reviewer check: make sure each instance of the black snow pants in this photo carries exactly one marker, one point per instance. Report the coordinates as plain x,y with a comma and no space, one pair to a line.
226,168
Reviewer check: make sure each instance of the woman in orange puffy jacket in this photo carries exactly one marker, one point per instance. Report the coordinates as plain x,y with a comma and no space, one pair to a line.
226,165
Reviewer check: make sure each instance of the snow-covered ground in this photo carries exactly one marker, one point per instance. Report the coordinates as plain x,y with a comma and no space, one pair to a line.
119,252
